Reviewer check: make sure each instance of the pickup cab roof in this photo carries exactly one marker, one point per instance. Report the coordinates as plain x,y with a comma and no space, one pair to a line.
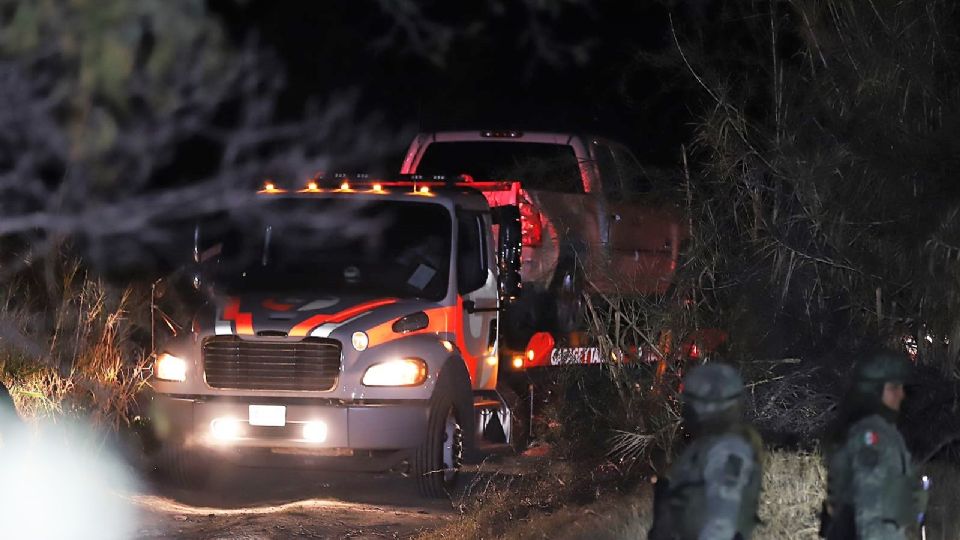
423,140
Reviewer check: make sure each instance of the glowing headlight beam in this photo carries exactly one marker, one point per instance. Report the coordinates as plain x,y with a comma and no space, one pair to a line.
315,431
225,429
401,372
171,368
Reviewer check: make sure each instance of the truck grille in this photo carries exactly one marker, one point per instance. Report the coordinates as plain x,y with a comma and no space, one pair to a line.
312,364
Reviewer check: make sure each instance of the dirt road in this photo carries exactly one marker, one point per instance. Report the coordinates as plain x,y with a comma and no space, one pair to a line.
253,503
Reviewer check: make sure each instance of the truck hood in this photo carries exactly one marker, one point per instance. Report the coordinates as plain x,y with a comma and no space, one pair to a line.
300,315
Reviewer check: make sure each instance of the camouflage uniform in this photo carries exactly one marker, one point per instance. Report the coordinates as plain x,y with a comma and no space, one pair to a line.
713,489
872,490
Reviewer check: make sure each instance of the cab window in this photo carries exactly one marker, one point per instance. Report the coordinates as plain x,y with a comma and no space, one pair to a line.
471,253
539,166
632,176
609,172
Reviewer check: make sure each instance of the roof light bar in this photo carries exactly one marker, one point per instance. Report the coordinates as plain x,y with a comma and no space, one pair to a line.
502,134
414,184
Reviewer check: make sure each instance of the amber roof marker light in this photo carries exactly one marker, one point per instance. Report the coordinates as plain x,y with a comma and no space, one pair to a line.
270,187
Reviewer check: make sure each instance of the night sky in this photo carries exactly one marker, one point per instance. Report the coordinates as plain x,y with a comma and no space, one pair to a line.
492,75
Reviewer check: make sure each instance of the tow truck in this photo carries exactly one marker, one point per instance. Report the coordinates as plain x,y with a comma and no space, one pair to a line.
350,322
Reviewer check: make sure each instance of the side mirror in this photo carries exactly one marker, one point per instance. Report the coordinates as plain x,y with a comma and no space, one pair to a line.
508,252
203,255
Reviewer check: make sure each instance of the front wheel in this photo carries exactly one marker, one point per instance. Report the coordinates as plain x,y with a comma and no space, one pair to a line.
438,460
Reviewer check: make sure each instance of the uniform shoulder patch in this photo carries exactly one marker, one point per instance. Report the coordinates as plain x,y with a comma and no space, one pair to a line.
870,438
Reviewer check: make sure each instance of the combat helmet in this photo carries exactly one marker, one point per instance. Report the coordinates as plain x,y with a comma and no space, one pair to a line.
711,388
870,374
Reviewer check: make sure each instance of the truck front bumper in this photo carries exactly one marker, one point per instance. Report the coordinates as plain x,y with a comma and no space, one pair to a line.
189,420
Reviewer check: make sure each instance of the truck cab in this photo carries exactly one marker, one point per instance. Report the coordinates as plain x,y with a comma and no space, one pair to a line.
352,323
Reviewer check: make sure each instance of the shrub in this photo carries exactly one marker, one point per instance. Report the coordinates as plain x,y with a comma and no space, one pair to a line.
77,348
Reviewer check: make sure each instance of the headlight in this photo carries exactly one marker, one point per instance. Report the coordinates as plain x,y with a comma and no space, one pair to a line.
171,368
360,341
403,372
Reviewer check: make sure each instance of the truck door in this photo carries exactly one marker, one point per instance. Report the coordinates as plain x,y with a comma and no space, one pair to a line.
477,287
642,239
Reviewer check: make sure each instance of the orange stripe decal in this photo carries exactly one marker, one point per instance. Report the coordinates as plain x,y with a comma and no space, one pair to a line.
448,319
440,320
272,305
305,327
243,321
357,310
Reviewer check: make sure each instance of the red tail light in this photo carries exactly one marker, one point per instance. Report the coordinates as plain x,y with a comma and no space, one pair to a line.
531,226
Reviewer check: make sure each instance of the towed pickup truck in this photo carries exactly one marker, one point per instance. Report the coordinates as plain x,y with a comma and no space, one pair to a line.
353,324
587,224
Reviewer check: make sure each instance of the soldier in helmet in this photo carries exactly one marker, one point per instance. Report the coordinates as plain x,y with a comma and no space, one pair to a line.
872,490
713,488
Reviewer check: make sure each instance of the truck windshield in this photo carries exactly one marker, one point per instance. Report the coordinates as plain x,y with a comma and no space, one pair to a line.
539,166
383,248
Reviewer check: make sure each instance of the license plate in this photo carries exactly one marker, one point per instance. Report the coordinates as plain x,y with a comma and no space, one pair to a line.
268,415
575,355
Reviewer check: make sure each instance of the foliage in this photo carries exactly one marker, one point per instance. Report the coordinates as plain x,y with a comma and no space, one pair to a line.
122,122
93,364
108,102
825,195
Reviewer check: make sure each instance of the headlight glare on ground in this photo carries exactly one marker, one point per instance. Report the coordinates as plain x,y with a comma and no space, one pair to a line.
400,372
171,368
225,429
315,431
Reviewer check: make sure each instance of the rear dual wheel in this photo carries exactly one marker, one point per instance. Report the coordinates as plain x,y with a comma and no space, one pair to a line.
567,293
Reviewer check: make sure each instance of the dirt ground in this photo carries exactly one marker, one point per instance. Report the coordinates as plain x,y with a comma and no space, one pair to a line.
253,503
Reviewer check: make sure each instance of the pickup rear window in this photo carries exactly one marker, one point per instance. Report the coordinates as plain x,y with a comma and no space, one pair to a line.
538,166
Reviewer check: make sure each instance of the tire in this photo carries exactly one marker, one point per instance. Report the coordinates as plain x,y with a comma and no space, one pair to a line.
437,462
183,468
567,292
519,418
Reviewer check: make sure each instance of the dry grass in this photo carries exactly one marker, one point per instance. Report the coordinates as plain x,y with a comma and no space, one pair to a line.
542,504
793,488
794,485
943,514
75,353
